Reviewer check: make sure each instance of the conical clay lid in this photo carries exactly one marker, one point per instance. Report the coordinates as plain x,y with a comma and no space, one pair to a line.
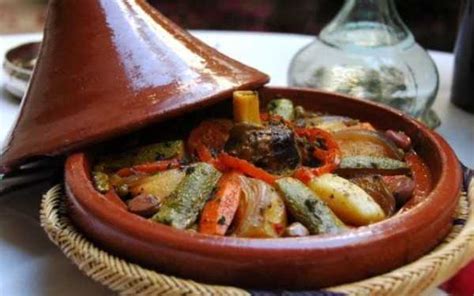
108,67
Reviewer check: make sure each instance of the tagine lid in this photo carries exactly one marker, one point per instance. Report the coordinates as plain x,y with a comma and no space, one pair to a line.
110,67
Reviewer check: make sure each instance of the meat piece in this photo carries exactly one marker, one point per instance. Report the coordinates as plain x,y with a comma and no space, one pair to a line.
399,138
378,190
145,205
272,147
401,186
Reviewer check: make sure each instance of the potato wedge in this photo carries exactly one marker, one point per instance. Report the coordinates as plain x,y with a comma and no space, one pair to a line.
348,201
160,185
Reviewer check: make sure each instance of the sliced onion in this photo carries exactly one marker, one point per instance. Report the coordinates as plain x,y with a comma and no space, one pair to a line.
330,123
354,142
261,211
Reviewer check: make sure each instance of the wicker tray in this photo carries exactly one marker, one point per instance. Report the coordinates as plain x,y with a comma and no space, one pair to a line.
128,278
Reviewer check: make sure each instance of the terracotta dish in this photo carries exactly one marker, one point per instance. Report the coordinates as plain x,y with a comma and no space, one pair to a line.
290,263
108,67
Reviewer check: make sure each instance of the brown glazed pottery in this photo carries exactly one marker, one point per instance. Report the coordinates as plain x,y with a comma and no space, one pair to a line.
107,67
290,263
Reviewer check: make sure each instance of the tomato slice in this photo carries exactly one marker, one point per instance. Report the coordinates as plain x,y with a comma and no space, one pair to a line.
328,154
209,138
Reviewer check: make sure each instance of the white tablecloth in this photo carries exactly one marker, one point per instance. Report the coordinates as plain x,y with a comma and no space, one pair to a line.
31,265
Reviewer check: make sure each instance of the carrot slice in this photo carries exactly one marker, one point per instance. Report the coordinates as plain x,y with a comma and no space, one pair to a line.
150,167
245,167
219,212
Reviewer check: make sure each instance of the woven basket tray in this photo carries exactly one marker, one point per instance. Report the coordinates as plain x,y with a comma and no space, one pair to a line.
128,278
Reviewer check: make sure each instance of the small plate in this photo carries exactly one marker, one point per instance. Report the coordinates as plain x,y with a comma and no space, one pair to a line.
18,67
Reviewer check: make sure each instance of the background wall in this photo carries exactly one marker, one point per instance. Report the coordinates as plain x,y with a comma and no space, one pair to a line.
433,22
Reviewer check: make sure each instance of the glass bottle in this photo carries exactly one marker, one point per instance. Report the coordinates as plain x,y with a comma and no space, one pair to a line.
368,52
462,92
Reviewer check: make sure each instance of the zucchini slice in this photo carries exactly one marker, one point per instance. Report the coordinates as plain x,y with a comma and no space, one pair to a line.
181,209
307,208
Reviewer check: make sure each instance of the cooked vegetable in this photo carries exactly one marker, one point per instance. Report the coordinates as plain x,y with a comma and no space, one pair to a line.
356,142
348,201
182,208
219,212
209,138
145,154
245,167
145,205
272,147
330,123
281,107
356,165
375,186
101,181
149,168
261,212
399,138
122,190
401,187
307,208
243,177
160,185
160,151
296,229
323,148
246,107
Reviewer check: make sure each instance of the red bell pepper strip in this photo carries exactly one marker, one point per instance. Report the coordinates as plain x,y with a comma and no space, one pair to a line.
150,167
245,167
328,155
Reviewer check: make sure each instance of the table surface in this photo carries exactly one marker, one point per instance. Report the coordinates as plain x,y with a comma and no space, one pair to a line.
31,265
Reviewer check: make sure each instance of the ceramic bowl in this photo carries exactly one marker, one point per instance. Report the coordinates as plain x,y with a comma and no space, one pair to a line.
18,67
289,263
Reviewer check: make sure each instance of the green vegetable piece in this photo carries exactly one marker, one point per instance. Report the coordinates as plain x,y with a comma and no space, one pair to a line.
149,153
282,107
307,208
160,151
372,162
101,181
182,208
122,190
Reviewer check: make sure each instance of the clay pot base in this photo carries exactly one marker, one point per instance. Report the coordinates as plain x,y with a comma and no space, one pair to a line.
290,263
131,279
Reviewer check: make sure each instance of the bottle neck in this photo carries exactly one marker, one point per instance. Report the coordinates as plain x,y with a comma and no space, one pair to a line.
366,23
